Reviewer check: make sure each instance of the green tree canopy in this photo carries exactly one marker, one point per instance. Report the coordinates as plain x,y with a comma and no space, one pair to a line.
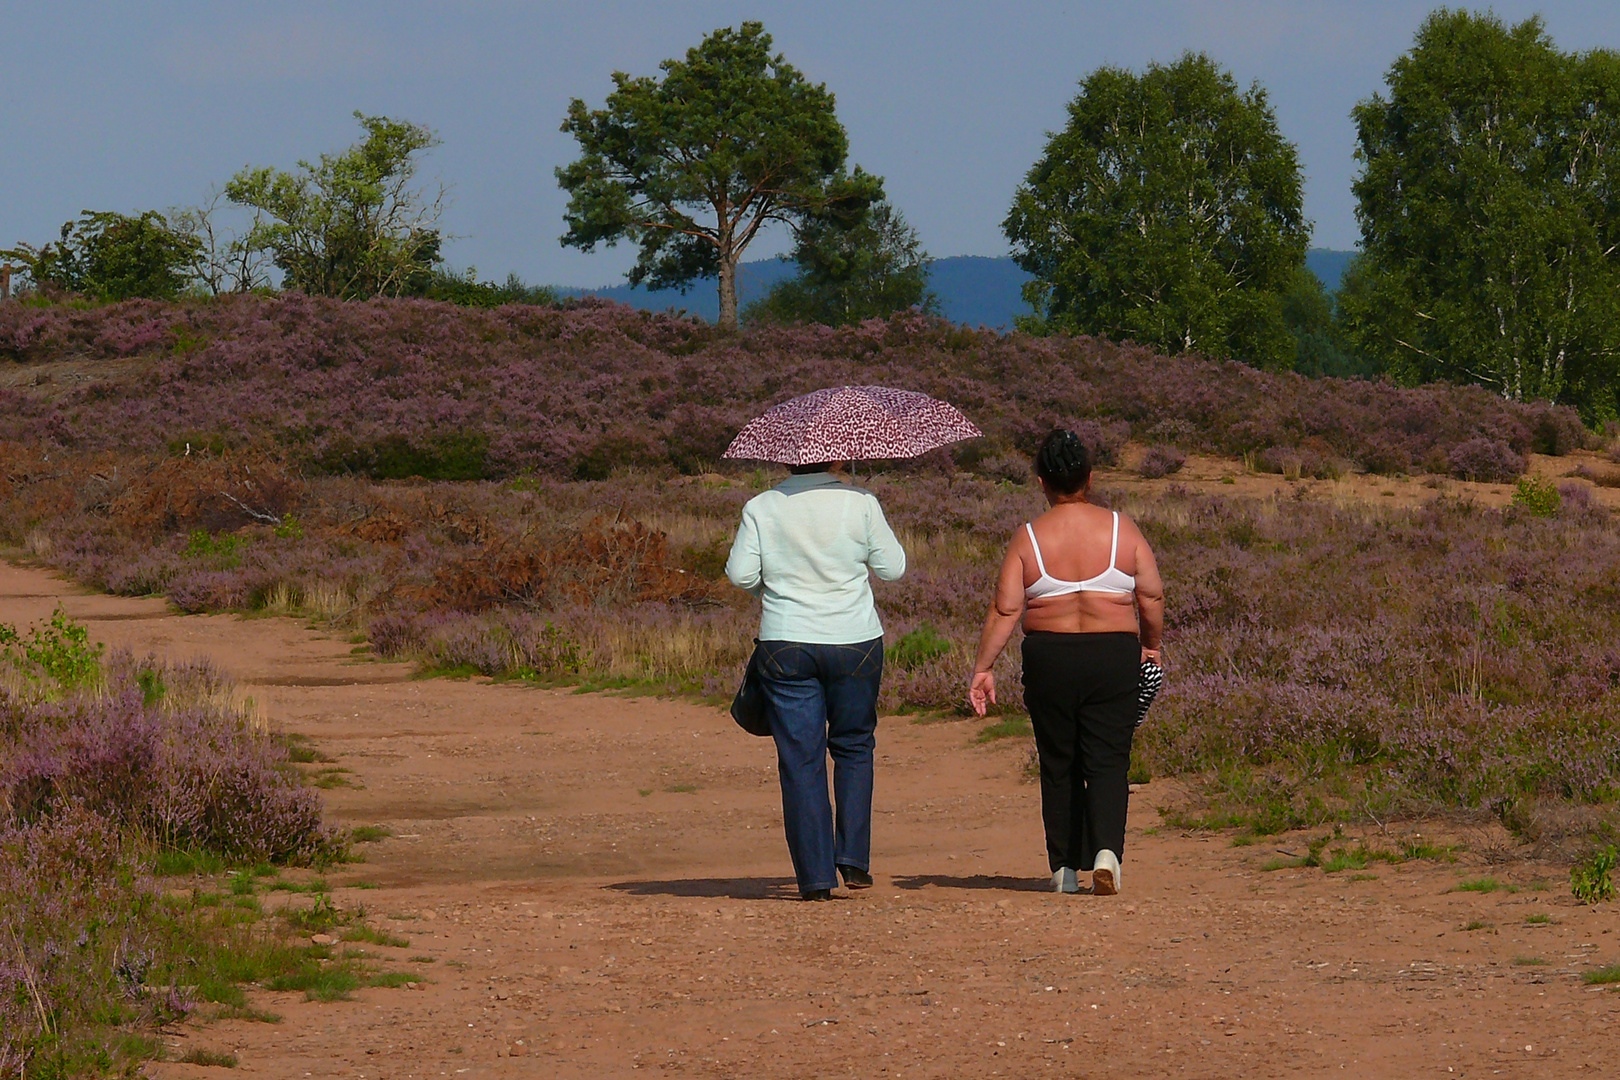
1488,201
351,224
851,270
113,257
692,166
1168,211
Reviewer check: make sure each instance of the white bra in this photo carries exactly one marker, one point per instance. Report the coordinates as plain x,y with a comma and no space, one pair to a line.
1111,580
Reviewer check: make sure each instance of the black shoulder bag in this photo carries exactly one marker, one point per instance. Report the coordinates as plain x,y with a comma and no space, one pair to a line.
750,708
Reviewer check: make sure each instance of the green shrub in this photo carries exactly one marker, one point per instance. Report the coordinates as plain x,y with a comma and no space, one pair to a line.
918,647
60,650
1538,497
1592,879
205,545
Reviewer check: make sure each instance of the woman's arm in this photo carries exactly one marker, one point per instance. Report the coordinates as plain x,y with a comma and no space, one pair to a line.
1149,602
1005,611
743,566
883,551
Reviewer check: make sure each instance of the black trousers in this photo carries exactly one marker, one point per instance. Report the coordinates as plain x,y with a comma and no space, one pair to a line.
1080,690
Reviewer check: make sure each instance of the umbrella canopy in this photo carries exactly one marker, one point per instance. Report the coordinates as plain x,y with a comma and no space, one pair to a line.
851,423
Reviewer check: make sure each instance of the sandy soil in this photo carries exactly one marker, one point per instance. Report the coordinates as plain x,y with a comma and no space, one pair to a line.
597,886
1216,475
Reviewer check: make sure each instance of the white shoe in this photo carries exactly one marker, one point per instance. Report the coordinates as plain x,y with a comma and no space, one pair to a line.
1065,881
1105,874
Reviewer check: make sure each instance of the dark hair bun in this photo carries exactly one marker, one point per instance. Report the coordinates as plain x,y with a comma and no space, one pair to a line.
1063,461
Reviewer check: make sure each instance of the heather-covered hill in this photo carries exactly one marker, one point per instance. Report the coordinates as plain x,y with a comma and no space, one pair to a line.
393,388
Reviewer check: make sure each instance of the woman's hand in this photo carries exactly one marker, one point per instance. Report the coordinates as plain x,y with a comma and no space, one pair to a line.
1155,655
982,692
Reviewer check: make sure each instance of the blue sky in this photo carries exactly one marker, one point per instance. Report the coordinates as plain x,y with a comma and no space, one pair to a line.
133,106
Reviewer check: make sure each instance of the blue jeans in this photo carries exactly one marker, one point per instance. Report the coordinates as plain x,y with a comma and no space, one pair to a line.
824,698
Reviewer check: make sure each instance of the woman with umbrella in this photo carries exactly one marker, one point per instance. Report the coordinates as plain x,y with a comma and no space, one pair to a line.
807,549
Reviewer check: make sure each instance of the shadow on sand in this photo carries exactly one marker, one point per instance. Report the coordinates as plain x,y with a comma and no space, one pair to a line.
996,882
756,888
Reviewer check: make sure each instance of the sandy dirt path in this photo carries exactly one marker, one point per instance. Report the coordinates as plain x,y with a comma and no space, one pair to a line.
597,886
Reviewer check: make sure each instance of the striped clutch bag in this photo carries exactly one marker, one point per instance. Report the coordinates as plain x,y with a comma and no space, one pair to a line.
1147,688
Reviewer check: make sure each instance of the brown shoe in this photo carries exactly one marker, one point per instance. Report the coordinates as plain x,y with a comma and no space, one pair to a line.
855,878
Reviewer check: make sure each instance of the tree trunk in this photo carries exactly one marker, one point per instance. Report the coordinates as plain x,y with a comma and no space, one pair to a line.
728,292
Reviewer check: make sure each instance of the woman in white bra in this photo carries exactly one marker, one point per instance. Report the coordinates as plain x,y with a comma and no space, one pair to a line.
1089,624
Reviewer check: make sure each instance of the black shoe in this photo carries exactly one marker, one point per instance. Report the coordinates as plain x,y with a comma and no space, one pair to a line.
855,878
816,894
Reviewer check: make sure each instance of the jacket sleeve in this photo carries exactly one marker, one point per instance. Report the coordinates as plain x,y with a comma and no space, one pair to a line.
883,551
743,565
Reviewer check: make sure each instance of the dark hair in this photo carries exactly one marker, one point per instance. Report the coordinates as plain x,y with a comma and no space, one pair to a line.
813,467
1063,461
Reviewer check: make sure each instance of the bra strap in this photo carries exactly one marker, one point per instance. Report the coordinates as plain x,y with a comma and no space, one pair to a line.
1030,526
1113,552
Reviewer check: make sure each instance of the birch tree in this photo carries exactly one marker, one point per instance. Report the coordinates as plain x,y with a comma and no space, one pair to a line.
1168,211
1488,199
353,224
692,166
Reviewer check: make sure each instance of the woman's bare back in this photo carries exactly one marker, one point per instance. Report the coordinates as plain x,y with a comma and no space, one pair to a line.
1075,541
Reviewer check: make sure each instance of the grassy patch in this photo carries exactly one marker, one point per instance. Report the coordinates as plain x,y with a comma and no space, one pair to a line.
424,959
1484,885
915,649
333,776
1008,727
1364,877
362,932
315,919
681,789
1355,858
181,863
333,981
1284,863
199,1056
370,834
1603,976
301,750
394,979
1414,848
453,671
245,1012
1140,772
1241,797
1475,924
1538,919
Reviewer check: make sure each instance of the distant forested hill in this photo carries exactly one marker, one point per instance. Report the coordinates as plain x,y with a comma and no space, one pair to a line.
1329,265
977,290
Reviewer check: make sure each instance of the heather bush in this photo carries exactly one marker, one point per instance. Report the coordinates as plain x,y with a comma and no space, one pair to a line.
1490,460
395,388
1160,461
1576,498
102,767
1464,662
76,915
158,753
1295,462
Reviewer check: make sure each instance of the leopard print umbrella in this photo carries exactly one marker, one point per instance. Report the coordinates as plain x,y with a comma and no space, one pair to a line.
851,423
